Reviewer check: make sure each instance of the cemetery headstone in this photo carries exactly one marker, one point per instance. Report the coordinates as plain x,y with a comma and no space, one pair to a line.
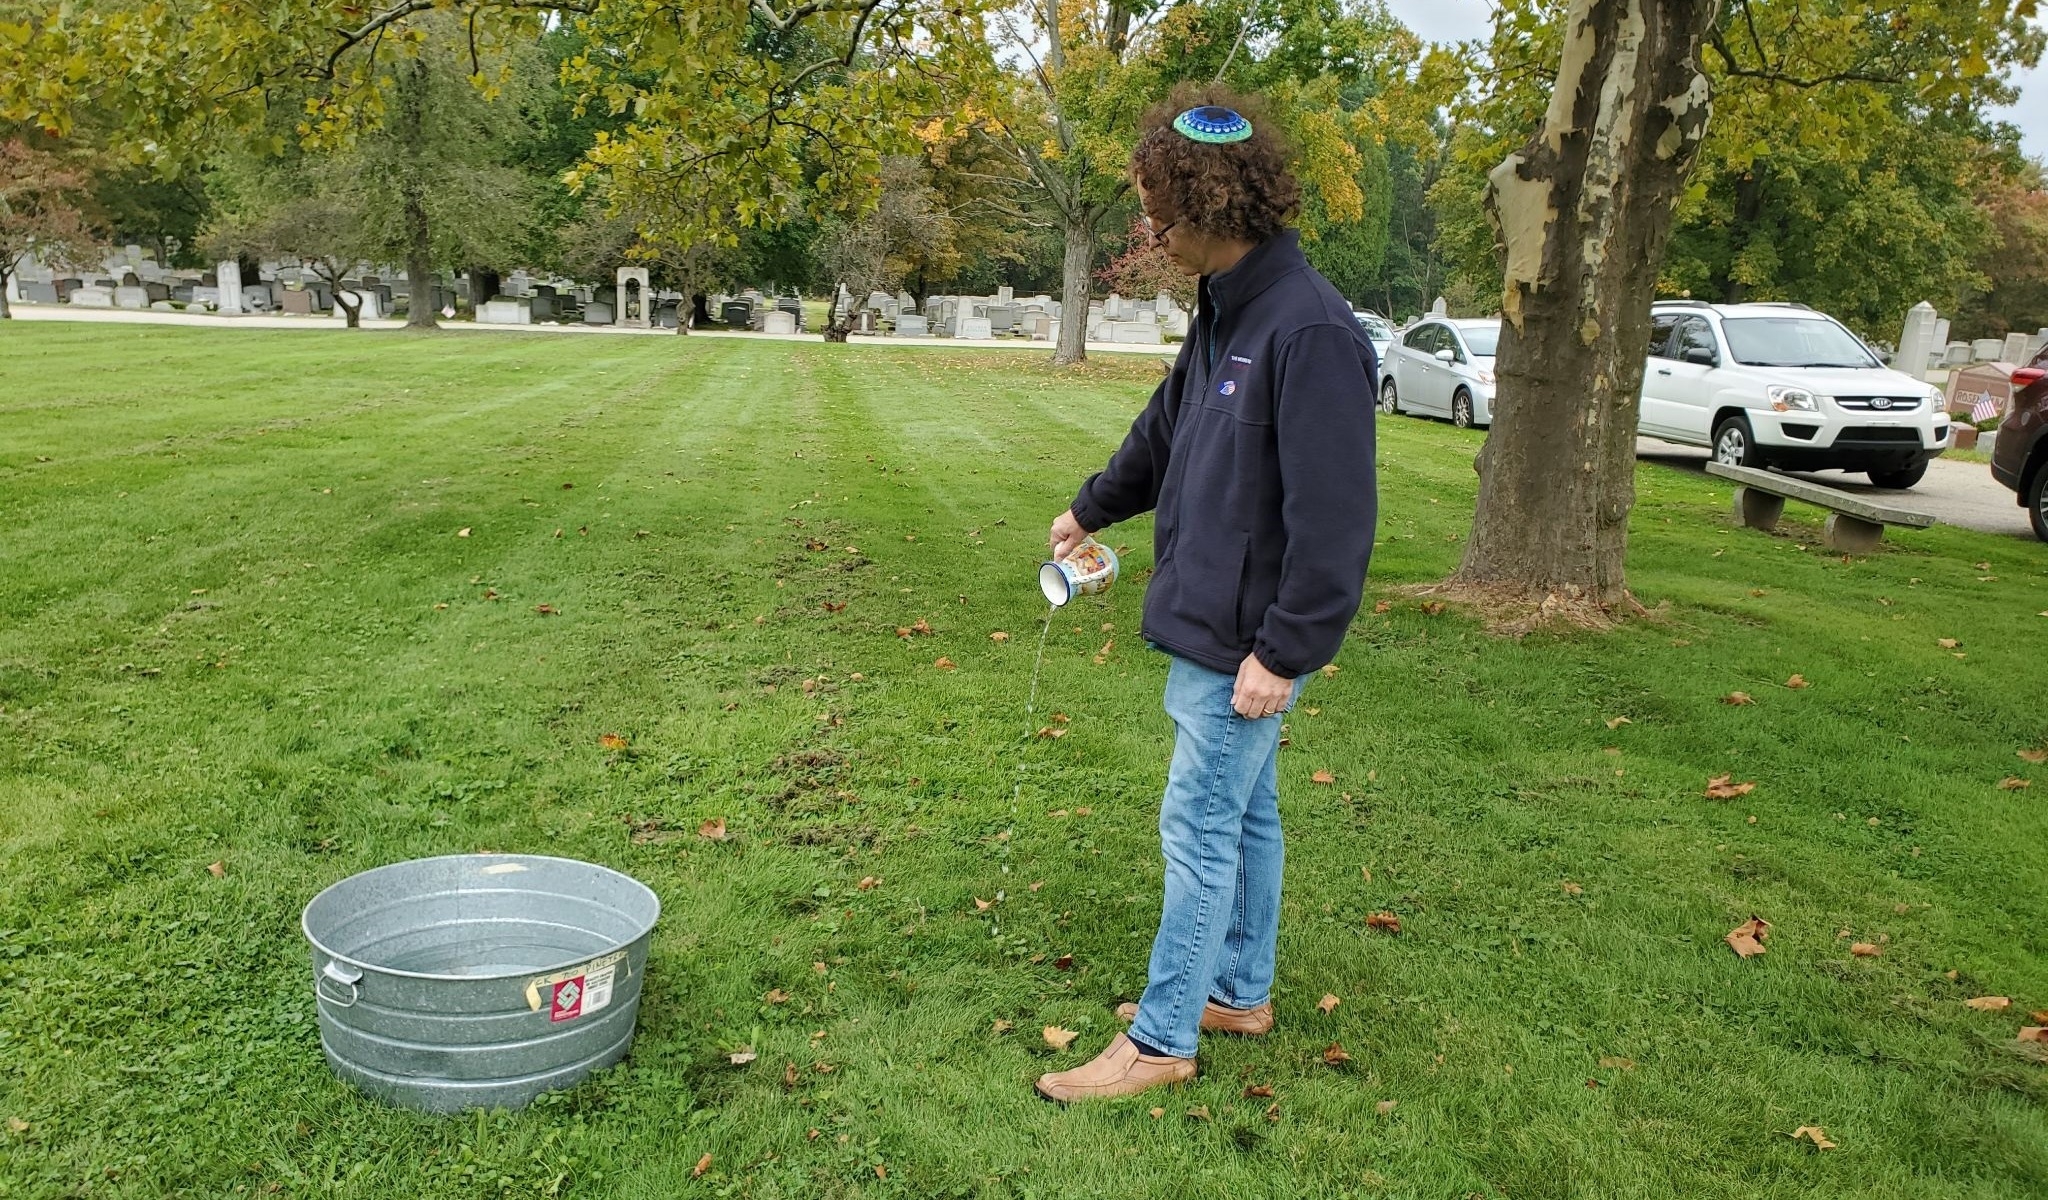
1916,340
975,328
92,296
736,314
130,297
909,324
39,293
1985,350
779,322
298,301
2015,349
229,277
598,312
632,299
1440,308
505,310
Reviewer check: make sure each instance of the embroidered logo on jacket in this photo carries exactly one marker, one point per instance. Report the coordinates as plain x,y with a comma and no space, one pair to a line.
1229,388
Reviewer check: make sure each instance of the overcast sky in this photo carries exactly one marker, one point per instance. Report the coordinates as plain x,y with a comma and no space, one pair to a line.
1457,20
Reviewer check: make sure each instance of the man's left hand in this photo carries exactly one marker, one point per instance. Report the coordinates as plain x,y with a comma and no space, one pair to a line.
1259,692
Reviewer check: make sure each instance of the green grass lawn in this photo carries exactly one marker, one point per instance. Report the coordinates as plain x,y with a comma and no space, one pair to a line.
238,626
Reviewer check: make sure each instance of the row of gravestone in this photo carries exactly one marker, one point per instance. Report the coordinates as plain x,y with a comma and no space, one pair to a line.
1924,346
1003,315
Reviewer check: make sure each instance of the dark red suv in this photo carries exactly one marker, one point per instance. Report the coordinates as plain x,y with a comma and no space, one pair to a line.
2019,459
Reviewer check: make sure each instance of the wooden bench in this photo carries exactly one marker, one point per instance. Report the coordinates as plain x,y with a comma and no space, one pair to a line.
1855,525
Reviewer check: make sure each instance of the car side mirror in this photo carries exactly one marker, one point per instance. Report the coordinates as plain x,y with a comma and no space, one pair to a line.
1447,355
1703,356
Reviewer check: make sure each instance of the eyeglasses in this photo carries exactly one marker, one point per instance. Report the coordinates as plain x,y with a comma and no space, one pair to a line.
1157,230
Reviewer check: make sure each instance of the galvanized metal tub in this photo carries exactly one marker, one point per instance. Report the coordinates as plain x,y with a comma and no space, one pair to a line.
478,980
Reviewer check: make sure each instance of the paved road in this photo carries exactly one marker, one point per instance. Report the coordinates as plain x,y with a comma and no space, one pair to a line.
1955,492
127,316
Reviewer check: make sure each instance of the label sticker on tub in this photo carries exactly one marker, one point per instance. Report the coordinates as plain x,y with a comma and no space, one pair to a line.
577,991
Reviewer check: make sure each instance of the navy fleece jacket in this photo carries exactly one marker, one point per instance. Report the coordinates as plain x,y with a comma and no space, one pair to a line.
1257,451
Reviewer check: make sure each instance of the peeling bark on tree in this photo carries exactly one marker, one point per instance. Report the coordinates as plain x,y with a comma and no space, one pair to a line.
1584,211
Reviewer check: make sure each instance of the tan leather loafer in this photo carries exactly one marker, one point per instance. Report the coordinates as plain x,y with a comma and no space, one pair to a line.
1117,1071
1216,1018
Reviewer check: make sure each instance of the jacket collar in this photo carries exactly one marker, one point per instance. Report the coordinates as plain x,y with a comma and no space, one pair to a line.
1266,264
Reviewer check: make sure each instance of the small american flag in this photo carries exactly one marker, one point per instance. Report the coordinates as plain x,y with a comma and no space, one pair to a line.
1986,408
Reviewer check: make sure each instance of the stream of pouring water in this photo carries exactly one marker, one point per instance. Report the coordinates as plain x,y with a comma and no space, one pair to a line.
1030,716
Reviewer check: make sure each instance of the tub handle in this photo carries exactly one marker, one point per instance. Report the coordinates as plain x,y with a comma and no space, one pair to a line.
342,975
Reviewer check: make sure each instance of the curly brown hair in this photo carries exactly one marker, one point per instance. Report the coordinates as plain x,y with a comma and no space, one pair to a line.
1233,190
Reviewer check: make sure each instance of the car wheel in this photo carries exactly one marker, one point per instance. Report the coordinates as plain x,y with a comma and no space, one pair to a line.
1390,400
1461,409
2037,502
1904,477
1734,445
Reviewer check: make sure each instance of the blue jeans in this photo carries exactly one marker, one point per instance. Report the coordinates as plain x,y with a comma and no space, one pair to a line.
1220,828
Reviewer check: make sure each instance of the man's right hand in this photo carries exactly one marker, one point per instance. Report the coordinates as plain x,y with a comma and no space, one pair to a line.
1067,535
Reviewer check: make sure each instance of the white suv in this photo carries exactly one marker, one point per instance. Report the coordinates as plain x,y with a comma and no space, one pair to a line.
1779,385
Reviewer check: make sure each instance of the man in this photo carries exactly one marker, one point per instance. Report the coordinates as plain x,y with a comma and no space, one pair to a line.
1257,452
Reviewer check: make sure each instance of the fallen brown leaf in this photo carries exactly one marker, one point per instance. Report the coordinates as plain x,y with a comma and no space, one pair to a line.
1060,1039
547,610
867,883
2039,1016
2033,1033
1328,1003
1382,606
742,1057
981,905
1037,885
999,636
462,532
830,607
2013,783
1723,787
1385,1107
903,631
1335,1055
1618,722
777,996
1797,682
1330,672
1323,777
1052,731
16,1125
703,1165
945,664
1947,643
713,829
1812,1133
823,1068
1572,889
1747,939
217,870
1259,1091
922,627
1384,920
789,1075
1273,1113
612,741
1158,1113
1737,698
1432,608
1064,962
1200,1112
2037,757
1617,1063
1988,1003
1865,950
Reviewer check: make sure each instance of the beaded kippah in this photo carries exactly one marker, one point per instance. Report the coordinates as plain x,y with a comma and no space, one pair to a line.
1213,125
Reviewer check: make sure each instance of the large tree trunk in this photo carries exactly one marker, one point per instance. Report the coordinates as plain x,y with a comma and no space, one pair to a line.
419,244
1584,211
1076,270
6,310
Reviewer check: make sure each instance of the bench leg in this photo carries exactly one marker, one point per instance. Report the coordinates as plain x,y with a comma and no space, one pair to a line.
1852,535
1758,510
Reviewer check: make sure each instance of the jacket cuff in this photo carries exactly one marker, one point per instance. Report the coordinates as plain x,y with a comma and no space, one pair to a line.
1091,518
1270,659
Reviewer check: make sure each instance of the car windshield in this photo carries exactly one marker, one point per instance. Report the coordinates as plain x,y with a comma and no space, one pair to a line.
1794,342
1481,340
1374,327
